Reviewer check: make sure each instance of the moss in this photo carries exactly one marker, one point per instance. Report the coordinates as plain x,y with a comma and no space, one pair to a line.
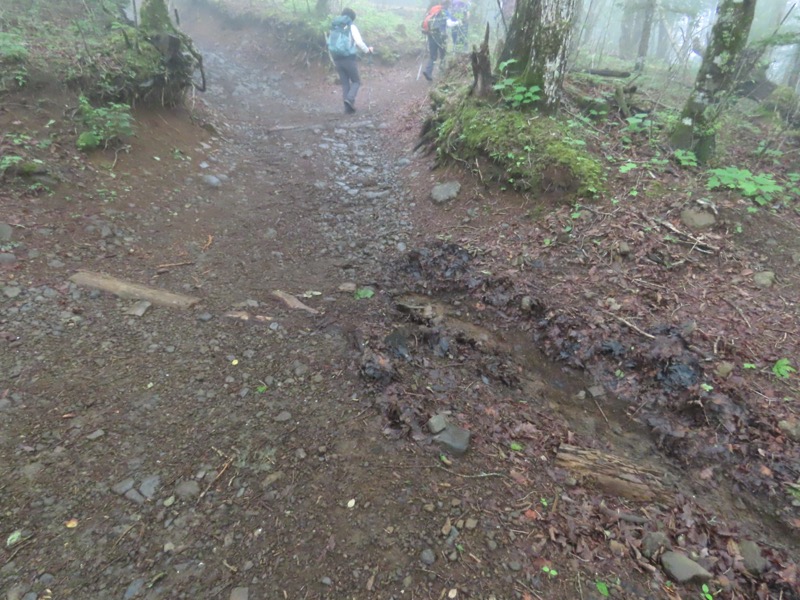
785,102
155,16
528,152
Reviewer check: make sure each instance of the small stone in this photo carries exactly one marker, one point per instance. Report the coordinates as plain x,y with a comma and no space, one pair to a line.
790,427
212,181
428,508
697,219
617,548
764,279
515,565
471,523
683,569
240,593
123,486
427,557
6,258
526,304
754,562
206,316
6,232
149,485
653,542
187,489
283,416
272,478
454,439
445,191
134,496
96,435
326,581
597,391
347,287
407,582
437,423
11,291
724,369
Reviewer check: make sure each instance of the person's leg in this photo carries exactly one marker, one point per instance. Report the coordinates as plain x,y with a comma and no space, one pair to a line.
344,78
432,51
355,81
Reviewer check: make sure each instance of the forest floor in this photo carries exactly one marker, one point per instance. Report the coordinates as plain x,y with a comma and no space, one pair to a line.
381,392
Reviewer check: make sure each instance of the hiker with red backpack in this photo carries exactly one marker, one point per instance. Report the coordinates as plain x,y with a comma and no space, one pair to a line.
343,39
435,25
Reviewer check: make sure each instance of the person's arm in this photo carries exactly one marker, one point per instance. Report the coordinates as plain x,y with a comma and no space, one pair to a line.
357,39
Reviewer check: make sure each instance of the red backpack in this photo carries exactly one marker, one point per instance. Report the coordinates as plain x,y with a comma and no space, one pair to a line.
426,22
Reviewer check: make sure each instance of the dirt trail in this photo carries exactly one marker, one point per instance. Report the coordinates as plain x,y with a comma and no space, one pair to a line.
195,455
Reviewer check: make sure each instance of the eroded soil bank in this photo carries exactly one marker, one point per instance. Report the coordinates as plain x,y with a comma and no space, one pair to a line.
248,448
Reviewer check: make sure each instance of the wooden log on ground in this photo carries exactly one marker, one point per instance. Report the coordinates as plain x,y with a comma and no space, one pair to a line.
134,291
611,474
608,73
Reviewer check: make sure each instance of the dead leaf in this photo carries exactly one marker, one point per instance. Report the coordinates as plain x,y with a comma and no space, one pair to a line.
532,515
71,524
707,473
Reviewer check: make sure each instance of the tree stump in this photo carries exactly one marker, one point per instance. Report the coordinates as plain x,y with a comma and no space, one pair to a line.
482,70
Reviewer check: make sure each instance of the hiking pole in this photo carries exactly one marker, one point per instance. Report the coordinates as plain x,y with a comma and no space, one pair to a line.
369,88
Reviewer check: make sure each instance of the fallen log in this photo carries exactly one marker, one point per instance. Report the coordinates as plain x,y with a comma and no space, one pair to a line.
133,291
608,73
611,474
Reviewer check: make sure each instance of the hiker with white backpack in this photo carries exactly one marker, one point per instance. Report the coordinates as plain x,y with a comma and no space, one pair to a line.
343,40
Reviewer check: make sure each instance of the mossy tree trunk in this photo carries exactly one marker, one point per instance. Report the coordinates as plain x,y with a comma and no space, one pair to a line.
538,38
715,80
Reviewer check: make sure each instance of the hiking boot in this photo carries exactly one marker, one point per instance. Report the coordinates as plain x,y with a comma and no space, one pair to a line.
349,107
426,76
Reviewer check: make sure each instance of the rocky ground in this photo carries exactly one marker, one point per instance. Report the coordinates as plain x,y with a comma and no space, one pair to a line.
363,403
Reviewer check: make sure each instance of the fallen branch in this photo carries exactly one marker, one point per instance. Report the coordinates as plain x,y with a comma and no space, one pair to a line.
293,302
629,324
135,291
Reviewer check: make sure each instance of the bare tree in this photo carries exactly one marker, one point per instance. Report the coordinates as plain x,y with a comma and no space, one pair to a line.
537,42
715,80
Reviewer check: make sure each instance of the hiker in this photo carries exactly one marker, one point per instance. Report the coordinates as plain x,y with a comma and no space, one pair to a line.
343,40
460,11
435,26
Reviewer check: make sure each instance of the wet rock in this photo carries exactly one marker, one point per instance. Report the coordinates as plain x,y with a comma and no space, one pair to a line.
764,279
697,219
96,435
240,593
6,232
271,478
428,557
133,589
11,291
138,309
16,592
683,569
471,523
134,496
6,258
724,369
187,489
149,486
454,439
444,192
514,565
754,562
653,542
326,581
597,391
437,423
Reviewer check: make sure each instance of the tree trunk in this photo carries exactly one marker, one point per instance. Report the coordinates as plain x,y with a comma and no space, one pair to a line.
644,39
715,80
538,38
793,75
664,41
482,69
627,31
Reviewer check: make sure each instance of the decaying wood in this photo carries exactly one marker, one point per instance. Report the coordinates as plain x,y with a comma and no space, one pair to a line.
293,302
482,69
608,73
612,474
134,291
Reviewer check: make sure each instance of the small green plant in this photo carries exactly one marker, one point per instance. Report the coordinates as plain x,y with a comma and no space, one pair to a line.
707,387
549,571
628,166
749,366
638,123
12,48
513,91
602,588
782,369
7,161
705,593
261,389
761,188
516,446
685,158
364,293
105,125
543,502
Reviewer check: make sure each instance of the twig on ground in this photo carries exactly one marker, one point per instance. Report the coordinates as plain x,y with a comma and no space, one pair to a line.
629,324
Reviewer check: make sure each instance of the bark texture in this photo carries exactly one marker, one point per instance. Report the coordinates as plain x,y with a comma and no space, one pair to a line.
538,39
716,79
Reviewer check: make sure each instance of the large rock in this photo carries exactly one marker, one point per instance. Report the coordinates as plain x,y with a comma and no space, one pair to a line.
653,542
444,192
764,279
682,569
697,219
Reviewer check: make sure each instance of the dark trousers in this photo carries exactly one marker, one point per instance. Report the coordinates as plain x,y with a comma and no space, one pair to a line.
347,67
436,51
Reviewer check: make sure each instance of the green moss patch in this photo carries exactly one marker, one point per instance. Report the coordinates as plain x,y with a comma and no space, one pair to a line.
526,151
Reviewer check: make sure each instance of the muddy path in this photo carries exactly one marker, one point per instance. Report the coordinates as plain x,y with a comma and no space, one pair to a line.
248,449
